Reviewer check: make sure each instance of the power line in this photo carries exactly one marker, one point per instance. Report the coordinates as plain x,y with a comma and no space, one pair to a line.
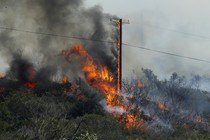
88,39
167,53
54,35
175,31
180,32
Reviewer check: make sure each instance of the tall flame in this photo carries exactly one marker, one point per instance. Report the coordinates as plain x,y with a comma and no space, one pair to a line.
96,76
100,78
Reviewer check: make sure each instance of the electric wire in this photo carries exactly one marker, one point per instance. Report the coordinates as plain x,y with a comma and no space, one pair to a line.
167,53
89,39
54,35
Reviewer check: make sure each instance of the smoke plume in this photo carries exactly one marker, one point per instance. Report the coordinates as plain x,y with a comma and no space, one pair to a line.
60,17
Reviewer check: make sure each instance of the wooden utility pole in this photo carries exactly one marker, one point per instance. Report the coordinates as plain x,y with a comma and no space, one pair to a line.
119,51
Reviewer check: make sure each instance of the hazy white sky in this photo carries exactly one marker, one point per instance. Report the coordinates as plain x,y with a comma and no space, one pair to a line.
176,26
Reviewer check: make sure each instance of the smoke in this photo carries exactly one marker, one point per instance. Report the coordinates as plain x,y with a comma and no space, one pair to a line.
177,101
61,17
184,101
161,25
111,109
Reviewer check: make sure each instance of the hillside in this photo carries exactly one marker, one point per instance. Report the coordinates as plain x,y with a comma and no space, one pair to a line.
51,114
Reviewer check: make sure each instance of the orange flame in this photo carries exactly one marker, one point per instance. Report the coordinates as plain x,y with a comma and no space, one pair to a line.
105,75
131,120
97,76
65,79
72,88
30,85
31,73
163,107
199,119
100,78
140,84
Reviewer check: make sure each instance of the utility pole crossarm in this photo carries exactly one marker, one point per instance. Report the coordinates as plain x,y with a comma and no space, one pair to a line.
123,21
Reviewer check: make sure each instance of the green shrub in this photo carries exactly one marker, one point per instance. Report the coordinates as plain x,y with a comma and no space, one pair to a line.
87,136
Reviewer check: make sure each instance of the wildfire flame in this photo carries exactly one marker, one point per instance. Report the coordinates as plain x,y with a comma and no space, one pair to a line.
30,85
31,73
163,107
140,84
132,121
96,76
100,78
198,119
105,75
65,79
